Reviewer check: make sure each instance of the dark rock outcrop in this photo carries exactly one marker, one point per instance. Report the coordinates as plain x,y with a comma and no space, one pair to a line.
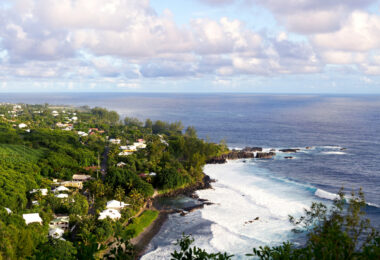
263,155
289,150
289,157
252,149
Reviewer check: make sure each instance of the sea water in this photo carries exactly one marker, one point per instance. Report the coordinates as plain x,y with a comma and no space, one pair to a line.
264,192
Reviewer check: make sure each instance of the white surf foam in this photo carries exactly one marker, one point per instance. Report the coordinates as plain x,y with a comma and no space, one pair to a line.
326,195
250,209
337,153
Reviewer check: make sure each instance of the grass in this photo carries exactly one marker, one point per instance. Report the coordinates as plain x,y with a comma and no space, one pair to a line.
140,223
19,153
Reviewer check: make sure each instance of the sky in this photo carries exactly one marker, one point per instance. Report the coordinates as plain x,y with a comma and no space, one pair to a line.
258,46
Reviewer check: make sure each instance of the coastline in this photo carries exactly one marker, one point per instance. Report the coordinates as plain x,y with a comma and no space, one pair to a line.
144,238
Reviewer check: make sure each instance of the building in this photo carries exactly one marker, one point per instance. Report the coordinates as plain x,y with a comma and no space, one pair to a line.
115,141
44,192
56,233
125,153
153,174
61,188
61,222
72,184
80,133
8,210
81,177
54,113
115,204
62,196
121,164
22,125
32,218
109,213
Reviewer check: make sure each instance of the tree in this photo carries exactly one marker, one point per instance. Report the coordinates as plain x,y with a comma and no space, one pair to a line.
119,194
194,253
191,132
56,249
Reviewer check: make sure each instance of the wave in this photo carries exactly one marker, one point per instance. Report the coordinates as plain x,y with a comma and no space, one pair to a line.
326,195
332,196
337,153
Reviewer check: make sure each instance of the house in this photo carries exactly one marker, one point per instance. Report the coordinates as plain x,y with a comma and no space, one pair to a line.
124,147
109,213
143,175
115,204
81,177
54,113
121,164
72,184
80,133
35,203
44,192
8,210
22,125
61,188
74,118
60,222
32,218
115,141
124,153
153,174
62,196
56,232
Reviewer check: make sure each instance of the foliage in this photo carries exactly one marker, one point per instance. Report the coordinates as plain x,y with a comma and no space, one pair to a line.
140,223
56,249
194,253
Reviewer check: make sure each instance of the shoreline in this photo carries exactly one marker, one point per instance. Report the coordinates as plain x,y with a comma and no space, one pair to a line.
144,238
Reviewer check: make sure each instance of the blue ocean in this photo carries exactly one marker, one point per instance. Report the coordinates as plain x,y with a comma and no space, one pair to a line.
341,132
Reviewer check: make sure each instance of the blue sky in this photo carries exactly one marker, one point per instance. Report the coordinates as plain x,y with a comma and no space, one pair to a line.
260,46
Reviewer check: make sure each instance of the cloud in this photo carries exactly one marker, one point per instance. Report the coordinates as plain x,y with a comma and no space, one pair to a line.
123,40
313,16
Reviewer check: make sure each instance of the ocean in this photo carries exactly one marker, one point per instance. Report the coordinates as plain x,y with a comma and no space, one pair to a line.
265,190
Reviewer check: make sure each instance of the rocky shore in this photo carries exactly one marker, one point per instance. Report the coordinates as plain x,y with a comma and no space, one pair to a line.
142,241
246,153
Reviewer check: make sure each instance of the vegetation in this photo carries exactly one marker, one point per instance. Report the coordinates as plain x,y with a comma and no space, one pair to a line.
42,147
140,223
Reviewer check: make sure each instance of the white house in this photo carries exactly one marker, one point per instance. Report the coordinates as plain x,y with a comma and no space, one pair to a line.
74,118
109,213
153,174
32,218
44,192
124,153
115,204
115,141
54,113
61,222
121,164
62,196
22,125
60,189
80,133
8,210
56,232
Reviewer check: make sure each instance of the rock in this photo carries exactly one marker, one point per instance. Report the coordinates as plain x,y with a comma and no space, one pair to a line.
289,157
263,155
308,147
289,150
343,149
252,149
257,218
217,160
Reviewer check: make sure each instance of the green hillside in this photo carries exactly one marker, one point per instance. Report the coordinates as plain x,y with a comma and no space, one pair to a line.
19,153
